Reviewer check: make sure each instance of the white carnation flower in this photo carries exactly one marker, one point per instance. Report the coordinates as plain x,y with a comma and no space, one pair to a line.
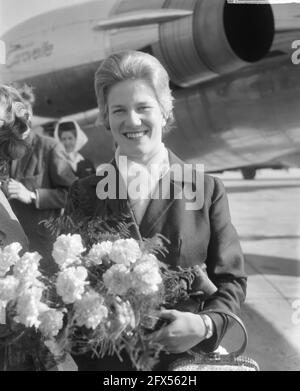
51,322
70,283
67,249
125,251
26,270
90,310
146,277
27,267
9,255
125,314
99,251
8,288
117,279
32,285
29,308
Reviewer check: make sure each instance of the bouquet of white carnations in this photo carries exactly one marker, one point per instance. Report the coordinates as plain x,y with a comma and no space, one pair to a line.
23,311
104,300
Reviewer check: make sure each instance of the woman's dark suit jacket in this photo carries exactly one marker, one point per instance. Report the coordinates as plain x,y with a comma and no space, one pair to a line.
196,237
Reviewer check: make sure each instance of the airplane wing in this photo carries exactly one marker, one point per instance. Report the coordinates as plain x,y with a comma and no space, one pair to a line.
141,18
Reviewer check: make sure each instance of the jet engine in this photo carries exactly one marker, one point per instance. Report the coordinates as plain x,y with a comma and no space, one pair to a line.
218,38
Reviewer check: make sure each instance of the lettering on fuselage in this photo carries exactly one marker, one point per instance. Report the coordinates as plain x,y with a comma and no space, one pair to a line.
296,54
21,55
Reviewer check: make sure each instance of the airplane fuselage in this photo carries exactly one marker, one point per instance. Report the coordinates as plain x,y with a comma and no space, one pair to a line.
242,117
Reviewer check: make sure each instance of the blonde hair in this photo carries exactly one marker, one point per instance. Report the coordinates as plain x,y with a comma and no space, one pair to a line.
128,65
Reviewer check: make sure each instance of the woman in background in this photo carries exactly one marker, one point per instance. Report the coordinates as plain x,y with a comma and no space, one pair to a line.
73,139
38,185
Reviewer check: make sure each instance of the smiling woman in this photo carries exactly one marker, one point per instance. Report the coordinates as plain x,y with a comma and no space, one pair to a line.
135,119
135,104
139,67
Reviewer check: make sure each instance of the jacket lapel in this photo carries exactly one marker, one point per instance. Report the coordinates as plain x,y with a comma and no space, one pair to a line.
118,206
165,195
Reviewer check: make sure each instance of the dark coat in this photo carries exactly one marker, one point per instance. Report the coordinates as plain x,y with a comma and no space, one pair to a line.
43,169
198,236
84,168
10,229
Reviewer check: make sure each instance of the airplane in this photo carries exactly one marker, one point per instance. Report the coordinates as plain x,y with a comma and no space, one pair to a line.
236,90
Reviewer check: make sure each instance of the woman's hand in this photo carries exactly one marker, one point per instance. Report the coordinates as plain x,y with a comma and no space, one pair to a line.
184,331
16,190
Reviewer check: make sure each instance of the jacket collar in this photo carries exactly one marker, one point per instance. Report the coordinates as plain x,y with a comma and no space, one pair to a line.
170,187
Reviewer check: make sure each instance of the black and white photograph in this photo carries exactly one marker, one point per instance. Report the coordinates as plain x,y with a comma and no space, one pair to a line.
149,188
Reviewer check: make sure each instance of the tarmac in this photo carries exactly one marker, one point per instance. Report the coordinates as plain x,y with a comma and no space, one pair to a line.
266,214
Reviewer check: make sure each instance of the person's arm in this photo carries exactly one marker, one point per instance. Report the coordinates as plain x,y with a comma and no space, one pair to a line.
225,266
61,176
